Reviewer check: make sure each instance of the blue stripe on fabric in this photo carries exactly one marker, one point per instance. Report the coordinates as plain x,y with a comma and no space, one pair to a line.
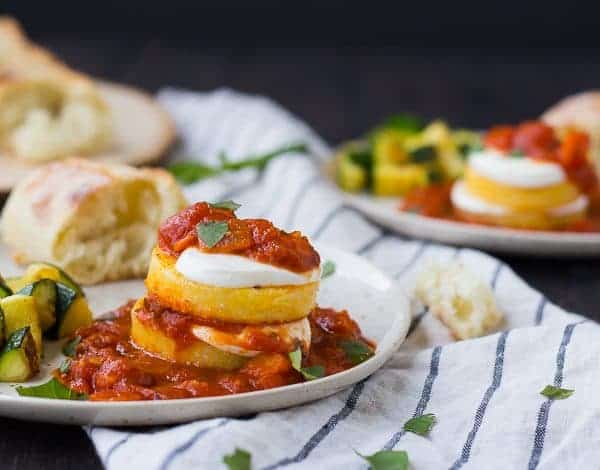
544,412
114,447
496,275
326,429
328,218
434,367
539,313
189,443
415,257
297,201
370,244
487,396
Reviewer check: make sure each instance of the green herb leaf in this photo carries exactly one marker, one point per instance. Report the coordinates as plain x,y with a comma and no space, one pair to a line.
71,347
387,460
309,373
328,269
212,233
420,425
65,366
229,204
51,389
191,172
356,351
556,393
425,154
404,122
239,460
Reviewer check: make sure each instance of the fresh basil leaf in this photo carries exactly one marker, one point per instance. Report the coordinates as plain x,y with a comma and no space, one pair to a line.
556,393
425,154
65,366
229,204
309,373
420,425
239,460
71,347
191,172
356,351
328,269
51,389
387,460
212,233
404,122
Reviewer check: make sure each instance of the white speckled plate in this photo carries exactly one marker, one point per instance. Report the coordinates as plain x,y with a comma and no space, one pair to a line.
525,242
372,298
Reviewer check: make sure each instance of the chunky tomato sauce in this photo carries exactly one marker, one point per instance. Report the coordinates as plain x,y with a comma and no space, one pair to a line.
540,141
257,239
107,366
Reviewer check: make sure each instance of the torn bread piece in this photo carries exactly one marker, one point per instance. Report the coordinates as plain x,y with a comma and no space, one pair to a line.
463,303
47,110
97,221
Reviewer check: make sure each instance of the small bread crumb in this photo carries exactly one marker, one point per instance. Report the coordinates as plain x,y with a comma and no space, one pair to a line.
464,304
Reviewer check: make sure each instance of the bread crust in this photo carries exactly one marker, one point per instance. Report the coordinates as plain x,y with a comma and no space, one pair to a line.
43,214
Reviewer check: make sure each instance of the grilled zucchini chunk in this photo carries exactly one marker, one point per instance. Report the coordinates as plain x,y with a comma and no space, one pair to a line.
72,311
20,311
5,290
38,271
19,359
45,294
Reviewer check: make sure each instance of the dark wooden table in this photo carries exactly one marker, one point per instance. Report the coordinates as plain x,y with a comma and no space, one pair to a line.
341,92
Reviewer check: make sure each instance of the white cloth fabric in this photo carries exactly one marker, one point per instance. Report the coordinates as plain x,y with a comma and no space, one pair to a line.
484,392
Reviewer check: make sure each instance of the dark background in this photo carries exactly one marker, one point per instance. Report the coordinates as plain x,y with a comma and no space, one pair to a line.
341,66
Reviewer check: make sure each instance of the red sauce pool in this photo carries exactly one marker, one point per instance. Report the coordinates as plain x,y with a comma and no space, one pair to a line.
257,239
108,367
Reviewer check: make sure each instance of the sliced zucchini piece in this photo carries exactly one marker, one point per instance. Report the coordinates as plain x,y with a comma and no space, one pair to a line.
19,359
72,312
388,147
350,176
16,283
37,271
397,180
20,311
78,315
45,294
5,290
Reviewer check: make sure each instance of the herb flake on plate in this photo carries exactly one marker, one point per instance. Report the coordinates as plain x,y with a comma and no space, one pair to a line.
356,351
328,269
51,389
212,233
65,366
387,460
239,460
556,393
309,373
71,347
421,425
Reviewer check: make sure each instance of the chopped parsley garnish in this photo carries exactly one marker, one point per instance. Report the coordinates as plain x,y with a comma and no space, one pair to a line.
239,460
229,204
420,425
356,351
328,269
212,233
51,389
387,460
71,347
556,393
309,373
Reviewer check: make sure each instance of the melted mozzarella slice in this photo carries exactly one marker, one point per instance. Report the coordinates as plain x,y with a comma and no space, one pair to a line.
518,172
223,270
463,199
282,337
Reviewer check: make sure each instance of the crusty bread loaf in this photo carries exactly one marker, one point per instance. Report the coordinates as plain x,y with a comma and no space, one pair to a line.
47,111
583,111
97,221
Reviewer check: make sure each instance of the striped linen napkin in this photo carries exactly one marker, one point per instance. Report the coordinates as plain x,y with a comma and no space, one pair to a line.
484,392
